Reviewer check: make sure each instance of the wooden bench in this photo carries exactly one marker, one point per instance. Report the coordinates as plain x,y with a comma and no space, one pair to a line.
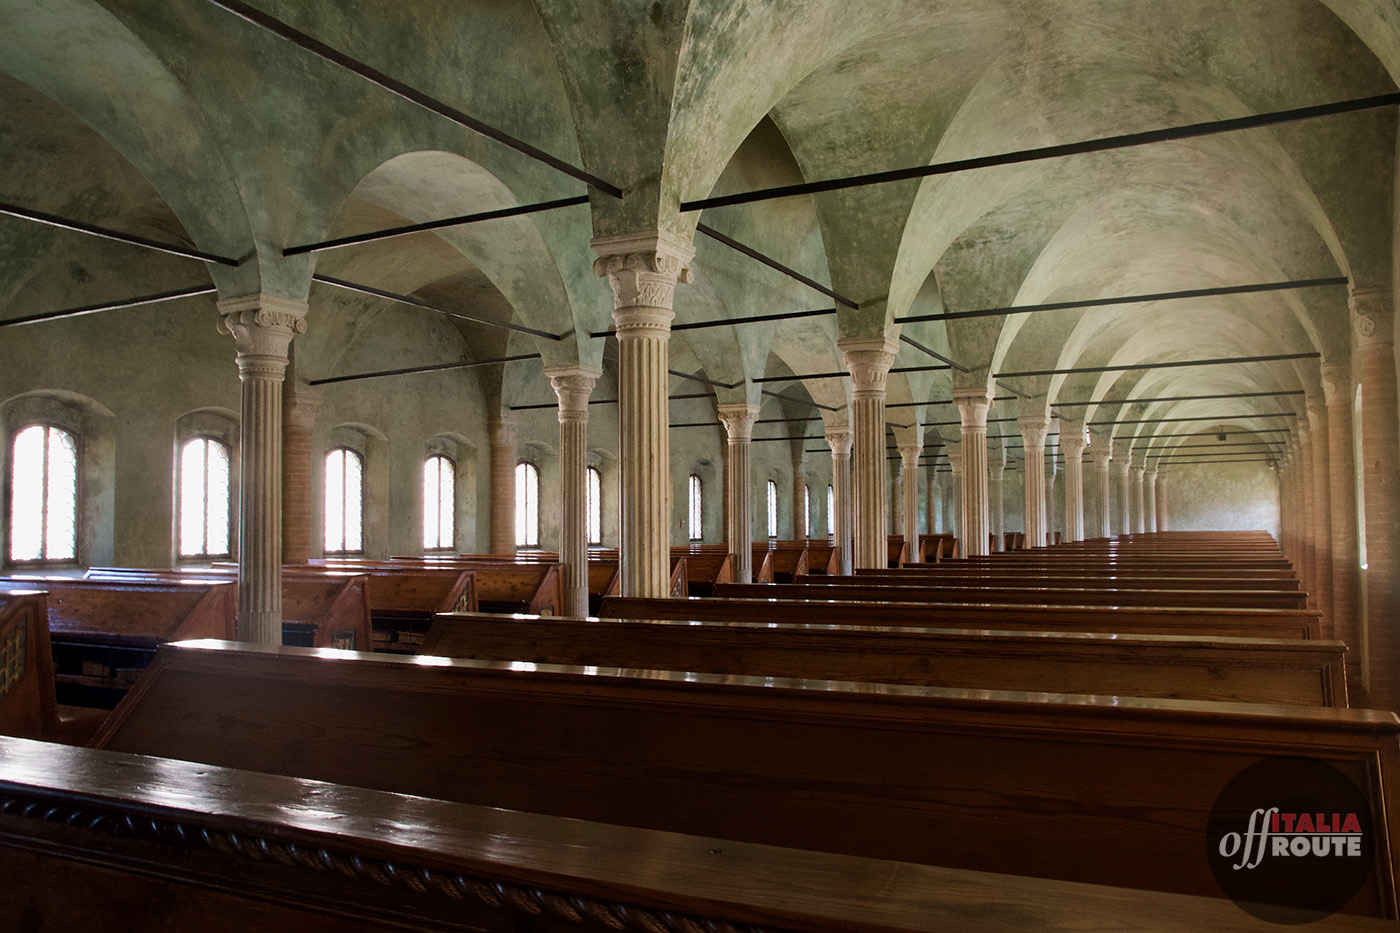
761,569
320,608
1109,790
1082,596
934,548
1144,620
509,586
992,580
27,706
680,564
1241,670
896,551
789,562
705,566
104,633
267,852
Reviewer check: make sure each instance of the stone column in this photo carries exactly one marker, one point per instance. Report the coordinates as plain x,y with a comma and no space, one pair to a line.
502,436
975,514
1050,483
262,327
935,499
1033,431
839,439
573,385
1149,489
955,460
996,462
1162,524
1307,552
1373,365
1102,456
869,360
896,514
1322,509
738,420
1341,463
909,454
799,498
643,270
299,408
1122,462
1073,444
1139,468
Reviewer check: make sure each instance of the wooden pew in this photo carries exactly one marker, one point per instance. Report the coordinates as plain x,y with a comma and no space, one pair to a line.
1144,620
789,563
761,569
822,557
705,566
267,852
1082,596
680,562
27,706
1240,670
896,551
320,608
1109,790
509,586
604,579
934,548
104,633
1069,580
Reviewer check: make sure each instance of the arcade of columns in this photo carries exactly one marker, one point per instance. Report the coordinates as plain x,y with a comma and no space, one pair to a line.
1323,462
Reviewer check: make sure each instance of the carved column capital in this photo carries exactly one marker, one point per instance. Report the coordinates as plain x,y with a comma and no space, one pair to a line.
300,405
909,454
1336,380
1317,412
869,360
573,385
502,432
973,405
1372,316
955,461
643,270
840,439
738,420
1034,429
262,327
1101,455
1072,440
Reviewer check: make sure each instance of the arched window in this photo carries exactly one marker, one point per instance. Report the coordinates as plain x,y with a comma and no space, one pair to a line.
772,509
527,505
345,496
595,506
204,498
697,510
44,495
830,511
439,504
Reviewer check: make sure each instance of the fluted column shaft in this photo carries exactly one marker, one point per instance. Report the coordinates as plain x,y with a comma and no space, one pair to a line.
262,327
1149,489
1033,431
573,385
1322,509
973,406
1139,500
842,523
1051,518
299,410
1307,552
1122,464
869,360
643,270
996,492
955,461
935,500
1102,458
1341,489
1162,523
738,420
1072,442
909,456
799,499
502,437
897,500
1373,364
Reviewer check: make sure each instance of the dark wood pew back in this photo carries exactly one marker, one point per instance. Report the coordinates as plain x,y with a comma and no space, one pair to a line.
816,589
1060,786
267,852
27,706
1146,620
904,576
1240,670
